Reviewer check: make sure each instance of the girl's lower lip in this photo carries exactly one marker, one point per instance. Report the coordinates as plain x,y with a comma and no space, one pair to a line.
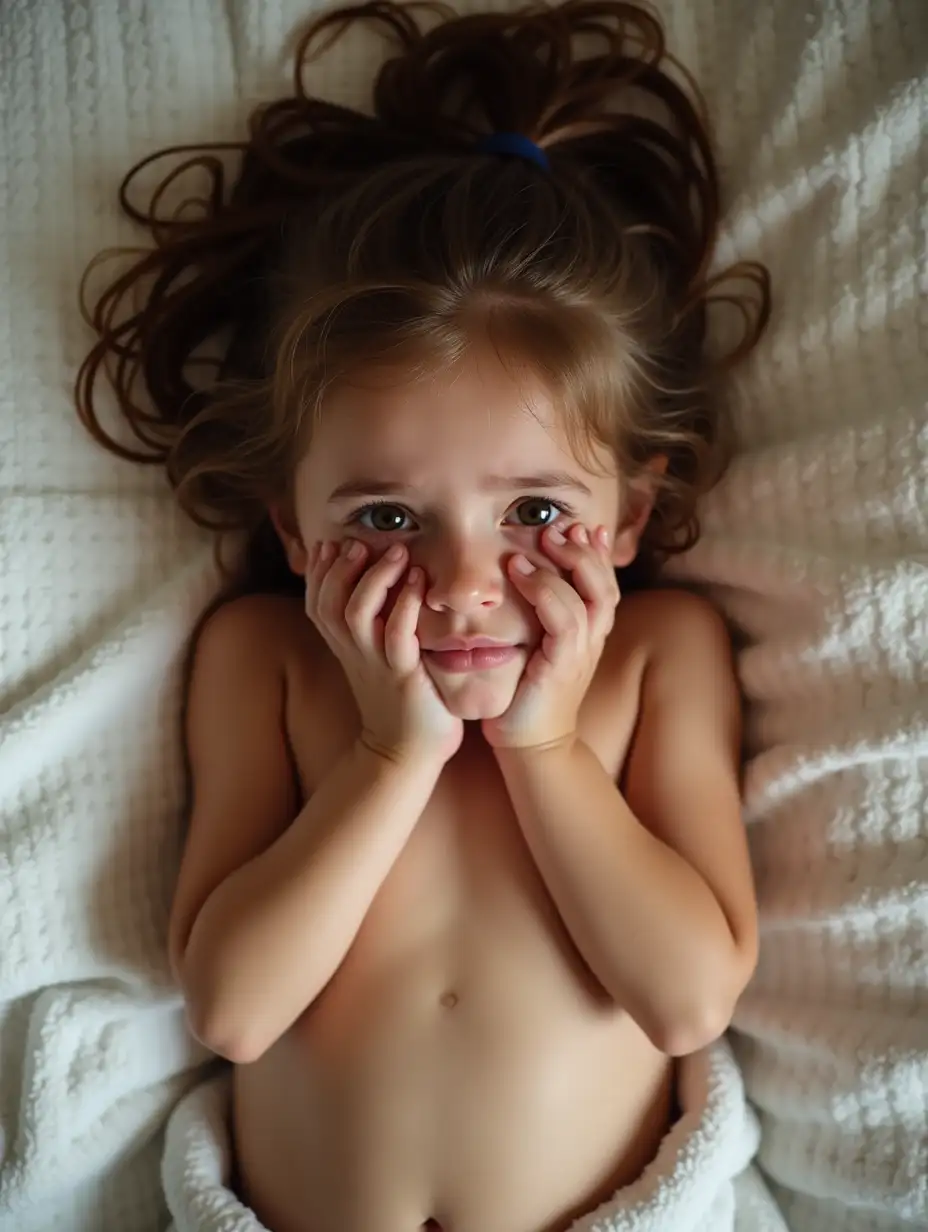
477,660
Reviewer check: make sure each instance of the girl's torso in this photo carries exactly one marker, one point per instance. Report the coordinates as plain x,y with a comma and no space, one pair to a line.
463,1065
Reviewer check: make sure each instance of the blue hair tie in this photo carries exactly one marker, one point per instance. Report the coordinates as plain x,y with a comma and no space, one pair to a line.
514,145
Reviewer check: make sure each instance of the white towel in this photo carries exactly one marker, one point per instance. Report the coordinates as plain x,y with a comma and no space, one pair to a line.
816,546
700,1181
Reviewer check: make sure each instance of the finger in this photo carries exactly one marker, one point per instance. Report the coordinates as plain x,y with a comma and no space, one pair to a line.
605,616
339,568
566,549
560,609
400,645
594,580
309,575
598,538
591,570
321,556
366,601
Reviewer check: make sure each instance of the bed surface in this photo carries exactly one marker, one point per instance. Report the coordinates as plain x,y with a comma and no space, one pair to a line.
816,547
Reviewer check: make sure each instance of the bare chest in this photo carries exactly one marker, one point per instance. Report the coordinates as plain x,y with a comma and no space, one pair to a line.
466,867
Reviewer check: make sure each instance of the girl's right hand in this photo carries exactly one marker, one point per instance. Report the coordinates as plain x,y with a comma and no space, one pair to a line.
401,712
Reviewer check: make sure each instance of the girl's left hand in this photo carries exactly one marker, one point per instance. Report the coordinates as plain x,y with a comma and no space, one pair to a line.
576,617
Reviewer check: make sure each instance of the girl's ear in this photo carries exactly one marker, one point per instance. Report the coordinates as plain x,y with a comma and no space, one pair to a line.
287,531
639,503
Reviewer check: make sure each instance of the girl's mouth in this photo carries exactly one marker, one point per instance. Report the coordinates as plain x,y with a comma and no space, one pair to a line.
476,659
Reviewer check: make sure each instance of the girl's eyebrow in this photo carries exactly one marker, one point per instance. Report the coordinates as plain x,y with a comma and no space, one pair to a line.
561,480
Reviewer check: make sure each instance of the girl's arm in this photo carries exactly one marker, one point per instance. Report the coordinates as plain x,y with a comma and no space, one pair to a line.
655,884
267,905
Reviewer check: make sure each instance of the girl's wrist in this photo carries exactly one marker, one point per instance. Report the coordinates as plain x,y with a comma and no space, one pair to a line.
412,755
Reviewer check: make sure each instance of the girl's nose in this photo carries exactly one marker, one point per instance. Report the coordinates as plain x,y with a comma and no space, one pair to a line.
464,578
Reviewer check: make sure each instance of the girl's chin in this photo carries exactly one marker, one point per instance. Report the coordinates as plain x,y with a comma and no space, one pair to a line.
478,695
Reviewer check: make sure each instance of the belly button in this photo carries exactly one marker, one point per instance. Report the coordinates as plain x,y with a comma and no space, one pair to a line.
449,1000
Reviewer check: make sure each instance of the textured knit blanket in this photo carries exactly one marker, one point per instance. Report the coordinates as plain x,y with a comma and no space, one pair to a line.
816,547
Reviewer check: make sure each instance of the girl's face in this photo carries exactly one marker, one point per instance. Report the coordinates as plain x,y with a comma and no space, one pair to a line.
465,468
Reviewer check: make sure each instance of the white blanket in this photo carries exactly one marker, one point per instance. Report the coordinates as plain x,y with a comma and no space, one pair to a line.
701,1180
816,546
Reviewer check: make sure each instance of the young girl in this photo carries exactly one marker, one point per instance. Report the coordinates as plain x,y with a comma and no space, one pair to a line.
465,868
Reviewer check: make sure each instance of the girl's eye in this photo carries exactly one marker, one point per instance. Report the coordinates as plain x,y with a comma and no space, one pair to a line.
537,511
384,517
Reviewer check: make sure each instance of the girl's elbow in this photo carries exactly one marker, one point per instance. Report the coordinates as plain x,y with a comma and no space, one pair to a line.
708,1014
214,1030
213,1021
681,1034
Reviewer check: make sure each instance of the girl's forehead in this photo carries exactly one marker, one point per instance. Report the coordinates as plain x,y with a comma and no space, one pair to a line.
482,409
478,385
443,454
448,433
370,451
440,458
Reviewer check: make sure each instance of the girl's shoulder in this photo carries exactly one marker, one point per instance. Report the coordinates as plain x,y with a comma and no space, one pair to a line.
669,610
672,629
260,631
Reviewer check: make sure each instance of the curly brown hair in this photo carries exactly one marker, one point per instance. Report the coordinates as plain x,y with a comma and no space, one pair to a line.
347,239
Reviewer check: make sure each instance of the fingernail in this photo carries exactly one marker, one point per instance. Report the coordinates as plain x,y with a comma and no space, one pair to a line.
522,564
328,551
603,536
355,551
555,536
346,548
415,576
583,536
395,552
